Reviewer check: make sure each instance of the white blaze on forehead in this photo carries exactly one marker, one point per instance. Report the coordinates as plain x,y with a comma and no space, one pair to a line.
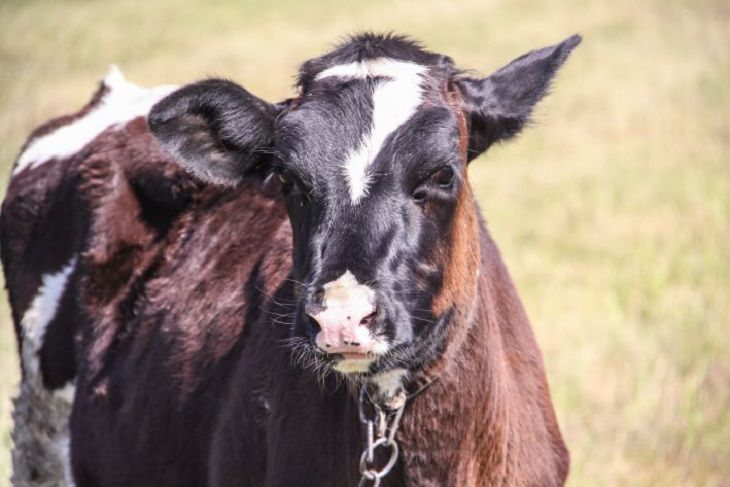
123,102
395,100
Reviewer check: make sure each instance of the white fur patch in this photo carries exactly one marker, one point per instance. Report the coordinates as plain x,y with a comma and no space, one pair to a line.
41,415
353,366
346,292
66,393
62,449
123,102
395,100
39,314
388,383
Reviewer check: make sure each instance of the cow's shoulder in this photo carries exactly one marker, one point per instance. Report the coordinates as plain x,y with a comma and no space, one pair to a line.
80,168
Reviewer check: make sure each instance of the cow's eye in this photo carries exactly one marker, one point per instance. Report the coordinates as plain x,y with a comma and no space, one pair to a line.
444,176
293,187
289,181
419,196
285,177
437,185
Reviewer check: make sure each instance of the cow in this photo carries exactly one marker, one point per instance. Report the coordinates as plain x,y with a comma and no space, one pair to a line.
211,289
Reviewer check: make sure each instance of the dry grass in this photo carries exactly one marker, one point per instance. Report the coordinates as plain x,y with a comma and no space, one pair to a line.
613,212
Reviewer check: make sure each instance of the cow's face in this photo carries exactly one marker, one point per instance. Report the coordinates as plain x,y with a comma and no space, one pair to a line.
371,158
373,165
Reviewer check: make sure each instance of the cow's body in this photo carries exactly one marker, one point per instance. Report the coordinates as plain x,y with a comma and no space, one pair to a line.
161,308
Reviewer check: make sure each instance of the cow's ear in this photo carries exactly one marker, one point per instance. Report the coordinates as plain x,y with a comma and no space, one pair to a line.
498,106
215,129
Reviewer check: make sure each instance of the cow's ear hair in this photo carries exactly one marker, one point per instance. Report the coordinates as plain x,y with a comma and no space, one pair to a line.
499,106
215,129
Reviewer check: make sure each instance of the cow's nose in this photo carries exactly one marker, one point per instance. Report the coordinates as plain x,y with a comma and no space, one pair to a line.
345,319
345,329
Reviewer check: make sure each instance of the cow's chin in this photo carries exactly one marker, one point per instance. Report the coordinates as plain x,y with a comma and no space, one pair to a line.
360,365
353,363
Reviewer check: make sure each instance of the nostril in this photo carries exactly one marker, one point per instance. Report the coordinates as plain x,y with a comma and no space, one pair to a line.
314,324
368,320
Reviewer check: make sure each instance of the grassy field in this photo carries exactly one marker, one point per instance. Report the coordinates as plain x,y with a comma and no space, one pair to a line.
613,211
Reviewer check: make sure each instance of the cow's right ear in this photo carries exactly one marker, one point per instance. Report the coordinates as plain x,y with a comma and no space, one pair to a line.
215,129
499,106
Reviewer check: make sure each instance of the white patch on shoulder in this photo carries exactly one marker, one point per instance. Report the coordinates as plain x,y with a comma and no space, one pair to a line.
395,100
123,102
41,433
389,382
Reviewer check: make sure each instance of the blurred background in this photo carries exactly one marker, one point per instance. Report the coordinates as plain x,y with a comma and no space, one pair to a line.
612,211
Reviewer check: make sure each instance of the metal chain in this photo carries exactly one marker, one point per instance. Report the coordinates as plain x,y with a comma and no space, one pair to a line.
379,434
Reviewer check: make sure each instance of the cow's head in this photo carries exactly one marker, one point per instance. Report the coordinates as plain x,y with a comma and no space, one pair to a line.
372,157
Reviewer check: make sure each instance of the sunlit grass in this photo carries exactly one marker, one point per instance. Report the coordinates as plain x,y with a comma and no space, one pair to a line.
613,211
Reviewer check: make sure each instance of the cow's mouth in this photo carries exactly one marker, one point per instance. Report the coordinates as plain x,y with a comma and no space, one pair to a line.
355,356
352,362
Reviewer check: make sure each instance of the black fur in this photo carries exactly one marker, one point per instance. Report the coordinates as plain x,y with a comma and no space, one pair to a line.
499,106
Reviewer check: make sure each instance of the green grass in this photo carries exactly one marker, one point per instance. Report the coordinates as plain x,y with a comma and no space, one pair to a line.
613,211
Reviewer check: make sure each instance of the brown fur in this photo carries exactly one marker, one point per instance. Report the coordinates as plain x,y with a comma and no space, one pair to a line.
493,395
462,253
486,376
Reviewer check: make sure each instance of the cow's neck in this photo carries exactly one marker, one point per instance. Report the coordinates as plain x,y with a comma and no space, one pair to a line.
462,416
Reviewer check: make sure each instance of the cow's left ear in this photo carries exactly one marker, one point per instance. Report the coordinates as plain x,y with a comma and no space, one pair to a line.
498,106
215,129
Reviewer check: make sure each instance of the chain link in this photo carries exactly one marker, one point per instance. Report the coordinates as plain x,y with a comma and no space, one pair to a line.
379,434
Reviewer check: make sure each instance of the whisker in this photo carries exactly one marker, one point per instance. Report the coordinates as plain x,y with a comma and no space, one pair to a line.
288,279
424,319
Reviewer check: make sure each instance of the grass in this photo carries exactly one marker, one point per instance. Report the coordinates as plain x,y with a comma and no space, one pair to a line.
613,211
